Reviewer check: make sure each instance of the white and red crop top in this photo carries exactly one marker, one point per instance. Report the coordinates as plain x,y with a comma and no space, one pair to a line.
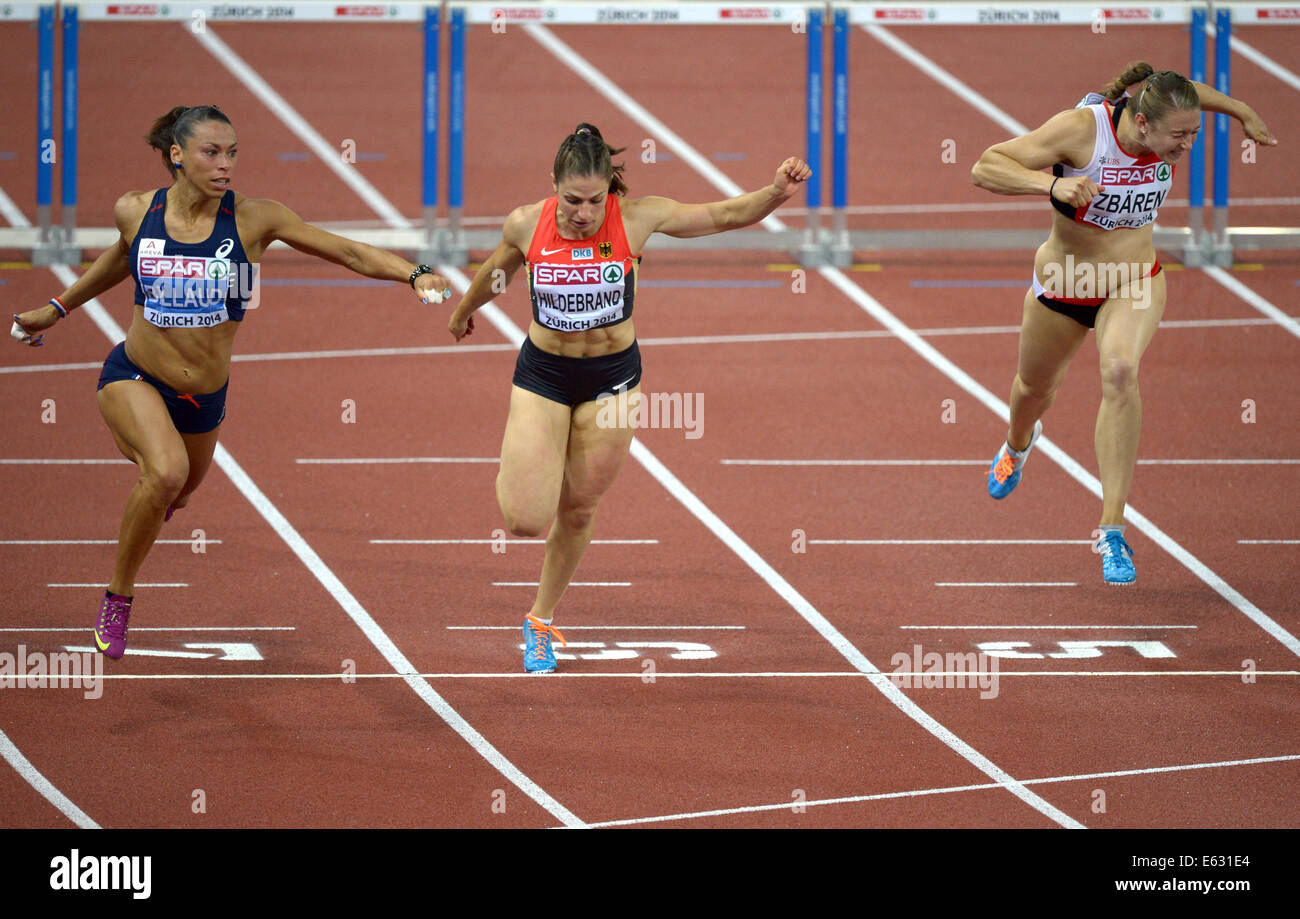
581,284
1132,188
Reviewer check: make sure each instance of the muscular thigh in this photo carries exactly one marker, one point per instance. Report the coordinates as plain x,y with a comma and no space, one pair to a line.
599,440
1048,342
137,415
1126,323
532,454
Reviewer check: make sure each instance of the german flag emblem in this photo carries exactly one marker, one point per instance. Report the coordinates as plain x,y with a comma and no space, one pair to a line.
606,249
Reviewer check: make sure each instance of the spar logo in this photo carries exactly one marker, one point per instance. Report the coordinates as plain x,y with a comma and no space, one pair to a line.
1132,14
1134,175
746,13
914,14
518,13
135,9
612,273
365,12
1290,13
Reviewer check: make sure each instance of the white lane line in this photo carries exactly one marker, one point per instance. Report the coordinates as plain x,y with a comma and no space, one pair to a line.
1006,584
951,789
981,462
1258,57
604,628
64,462
1254,299
606,87
640,675
508,542
999,628
305,553
330,155
950,542
105,586
102,542
1269,542
1218,462
168,628
740,338
381,460
23,766
571,584
1003,411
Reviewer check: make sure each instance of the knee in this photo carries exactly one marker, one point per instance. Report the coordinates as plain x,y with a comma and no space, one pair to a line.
1036,388
1118,378
167,478
577,516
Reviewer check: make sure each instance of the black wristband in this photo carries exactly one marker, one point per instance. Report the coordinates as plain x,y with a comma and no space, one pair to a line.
419,270
1053,188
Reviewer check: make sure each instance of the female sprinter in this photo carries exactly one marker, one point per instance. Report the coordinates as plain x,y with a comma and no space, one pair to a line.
582,247
1112,166
189,248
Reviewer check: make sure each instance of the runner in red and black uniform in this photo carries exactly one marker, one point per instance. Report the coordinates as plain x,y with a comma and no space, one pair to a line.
189,248
582,248
1112,161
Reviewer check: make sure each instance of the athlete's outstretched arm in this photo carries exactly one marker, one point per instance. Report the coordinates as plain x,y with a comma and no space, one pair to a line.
1014,167
1214,101
274,221
494,274
673,218
111,268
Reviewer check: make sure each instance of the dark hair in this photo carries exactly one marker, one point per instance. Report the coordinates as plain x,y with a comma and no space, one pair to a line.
177,126
585,153
1162,92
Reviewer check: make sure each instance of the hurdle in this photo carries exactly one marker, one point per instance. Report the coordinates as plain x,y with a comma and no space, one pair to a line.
810,245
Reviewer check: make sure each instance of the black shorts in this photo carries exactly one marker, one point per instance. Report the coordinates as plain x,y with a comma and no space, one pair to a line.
1083,312
196,414
575,380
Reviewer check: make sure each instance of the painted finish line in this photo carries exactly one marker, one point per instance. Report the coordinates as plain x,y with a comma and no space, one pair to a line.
217,650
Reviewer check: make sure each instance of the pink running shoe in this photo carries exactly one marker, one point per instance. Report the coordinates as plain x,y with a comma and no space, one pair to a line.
110,631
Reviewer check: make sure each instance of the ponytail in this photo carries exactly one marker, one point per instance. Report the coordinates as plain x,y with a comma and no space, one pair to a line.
585,153
177,126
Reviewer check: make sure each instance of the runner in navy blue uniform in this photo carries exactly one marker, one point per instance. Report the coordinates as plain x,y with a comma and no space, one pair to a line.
1112,159
190,249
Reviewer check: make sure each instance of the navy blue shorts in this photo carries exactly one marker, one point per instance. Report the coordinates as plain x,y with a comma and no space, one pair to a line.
191,414
575,380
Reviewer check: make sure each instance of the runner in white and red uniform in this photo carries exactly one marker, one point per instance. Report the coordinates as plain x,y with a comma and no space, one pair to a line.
189,247
582,248
1112,160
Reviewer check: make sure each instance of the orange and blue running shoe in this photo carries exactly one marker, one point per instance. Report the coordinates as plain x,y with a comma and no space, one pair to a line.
538,655
1004,474
1116,557
110,630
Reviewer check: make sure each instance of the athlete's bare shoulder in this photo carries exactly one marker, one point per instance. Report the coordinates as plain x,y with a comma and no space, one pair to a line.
520,225
129,211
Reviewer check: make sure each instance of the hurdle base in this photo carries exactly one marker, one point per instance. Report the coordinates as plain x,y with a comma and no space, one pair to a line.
444,249
1221,254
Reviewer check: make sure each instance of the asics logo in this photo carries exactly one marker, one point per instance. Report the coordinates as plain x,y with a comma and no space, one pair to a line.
226,246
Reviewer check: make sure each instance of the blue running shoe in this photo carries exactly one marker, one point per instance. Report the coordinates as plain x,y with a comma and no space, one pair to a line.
538,656
1004,474
1116,558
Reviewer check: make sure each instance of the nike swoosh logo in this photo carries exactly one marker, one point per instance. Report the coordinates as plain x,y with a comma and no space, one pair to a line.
624,383
102,646
553,251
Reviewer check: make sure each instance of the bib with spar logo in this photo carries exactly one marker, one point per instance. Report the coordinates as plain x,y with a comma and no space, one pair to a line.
190,285
581,284
1132,187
